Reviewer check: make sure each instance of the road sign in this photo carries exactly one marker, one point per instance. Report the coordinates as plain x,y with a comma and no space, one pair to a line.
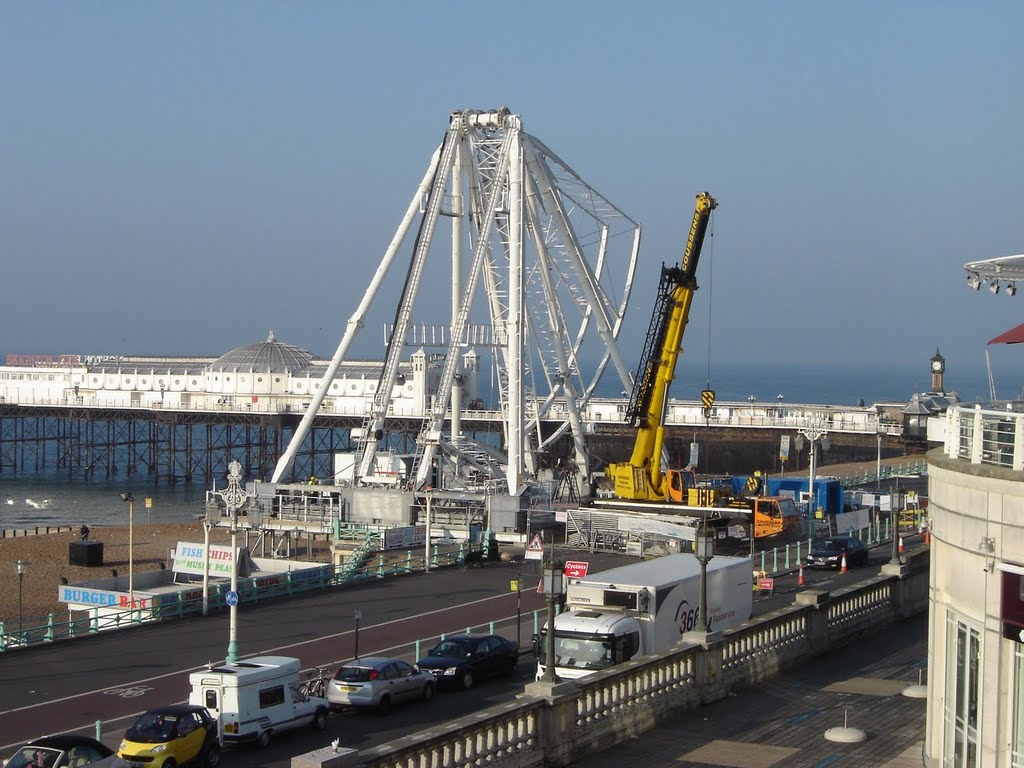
766,584
231,598
576,569
535,549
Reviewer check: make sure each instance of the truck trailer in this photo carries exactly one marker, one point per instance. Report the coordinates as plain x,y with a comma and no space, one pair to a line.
642,608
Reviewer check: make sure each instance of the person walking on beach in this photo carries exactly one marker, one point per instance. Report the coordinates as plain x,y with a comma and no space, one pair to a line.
84,530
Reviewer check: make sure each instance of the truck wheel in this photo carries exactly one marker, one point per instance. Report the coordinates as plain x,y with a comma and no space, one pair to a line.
263,739
467,680
320,719
211,757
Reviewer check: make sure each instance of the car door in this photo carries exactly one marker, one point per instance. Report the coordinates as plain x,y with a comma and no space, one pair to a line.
191,736
406,683
487,652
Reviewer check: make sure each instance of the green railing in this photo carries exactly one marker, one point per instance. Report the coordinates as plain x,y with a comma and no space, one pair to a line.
359,568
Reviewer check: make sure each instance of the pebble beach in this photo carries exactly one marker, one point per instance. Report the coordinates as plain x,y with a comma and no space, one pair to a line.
47,557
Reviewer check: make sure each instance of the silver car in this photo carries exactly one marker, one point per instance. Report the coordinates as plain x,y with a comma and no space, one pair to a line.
379,682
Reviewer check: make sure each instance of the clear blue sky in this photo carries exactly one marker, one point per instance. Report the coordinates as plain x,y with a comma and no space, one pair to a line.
181,177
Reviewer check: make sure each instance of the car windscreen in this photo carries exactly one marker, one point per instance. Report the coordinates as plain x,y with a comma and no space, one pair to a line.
353,674
29,757
453,649
835,545
152,728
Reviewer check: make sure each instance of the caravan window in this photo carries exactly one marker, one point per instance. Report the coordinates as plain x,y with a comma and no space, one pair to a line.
211,699
271,697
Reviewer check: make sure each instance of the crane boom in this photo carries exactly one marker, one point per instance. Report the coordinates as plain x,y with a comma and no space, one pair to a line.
641,478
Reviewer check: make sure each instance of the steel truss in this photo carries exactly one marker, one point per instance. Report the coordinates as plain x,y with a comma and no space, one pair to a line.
532,249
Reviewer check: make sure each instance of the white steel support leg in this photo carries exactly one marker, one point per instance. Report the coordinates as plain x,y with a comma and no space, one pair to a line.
457,235
515,319
355,322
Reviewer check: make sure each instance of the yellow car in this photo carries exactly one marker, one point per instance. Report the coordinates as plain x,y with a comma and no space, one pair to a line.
177,735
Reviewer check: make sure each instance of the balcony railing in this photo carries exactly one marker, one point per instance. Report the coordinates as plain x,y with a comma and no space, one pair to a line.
987,433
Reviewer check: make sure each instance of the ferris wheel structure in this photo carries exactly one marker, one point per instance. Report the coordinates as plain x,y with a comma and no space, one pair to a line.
541,268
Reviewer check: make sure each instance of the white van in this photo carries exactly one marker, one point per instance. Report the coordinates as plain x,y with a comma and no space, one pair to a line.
256,698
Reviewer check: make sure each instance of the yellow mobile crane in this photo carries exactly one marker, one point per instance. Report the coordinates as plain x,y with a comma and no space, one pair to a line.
641,479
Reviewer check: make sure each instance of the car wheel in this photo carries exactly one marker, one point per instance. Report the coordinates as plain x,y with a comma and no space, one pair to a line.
320,719
211,757
169,763
467,680
384,705
263,740
428,691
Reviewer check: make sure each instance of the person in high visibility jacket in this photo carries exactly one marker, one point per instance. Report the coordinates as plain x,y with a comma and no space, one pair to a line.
314,480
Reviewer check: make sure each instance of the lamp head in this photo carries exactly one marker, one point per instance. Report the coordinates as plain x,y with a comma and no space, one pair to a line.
126,496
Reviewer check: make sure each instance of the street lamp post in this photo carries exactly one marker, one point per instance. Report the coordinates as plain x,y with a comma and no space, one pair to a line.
358,615
704,549
234,497
895,502
553,587
20,568
126,496
812,435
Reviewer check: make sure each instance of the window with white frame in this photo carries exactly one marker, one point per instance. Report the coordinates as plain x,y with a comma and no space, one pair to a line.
961,712
1017,754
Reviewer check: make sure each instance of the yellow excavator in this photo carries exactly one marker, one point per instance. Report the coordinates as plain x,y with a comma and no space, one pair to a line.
641,478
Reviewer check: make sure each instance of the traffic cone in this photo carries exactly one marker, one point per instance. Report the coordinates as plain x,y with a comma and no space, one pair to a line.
902,550
800,577
842,567
927,537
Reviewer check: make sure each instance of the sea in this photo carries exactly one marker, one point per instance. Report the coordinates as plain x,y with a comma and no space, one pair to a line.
27,501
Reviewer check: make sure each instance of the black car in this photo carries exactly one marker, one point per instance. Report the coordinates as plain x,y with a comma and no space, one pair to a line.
65,750
829,553
461,660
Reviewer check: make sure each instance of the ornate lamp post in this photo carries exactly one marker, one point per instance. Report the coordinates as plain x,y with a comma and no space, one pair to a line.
234,497
126,496
704,549
812,435
553,587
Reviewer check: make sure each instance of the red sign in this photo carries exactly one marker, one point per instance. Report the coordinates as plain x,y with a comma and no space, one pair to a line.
766,584
576,569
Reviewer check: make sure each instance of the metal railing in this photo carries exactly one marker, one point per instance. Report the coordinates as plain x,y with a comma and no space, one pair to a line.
987,433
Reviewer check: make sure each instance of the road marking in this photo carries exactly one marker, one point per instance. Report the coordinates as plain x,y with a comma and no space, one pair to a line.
89,727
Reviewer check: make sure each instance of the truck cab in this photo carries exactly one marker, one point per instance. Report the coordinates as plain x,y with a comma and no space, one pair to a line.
588,641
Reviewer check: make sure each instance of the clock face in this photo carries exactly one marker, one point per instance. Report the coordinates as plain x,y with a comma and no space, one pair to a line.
936,365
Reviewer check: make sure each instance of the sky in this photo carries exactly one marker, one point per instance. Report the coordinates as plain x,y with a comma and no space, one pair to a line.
180,178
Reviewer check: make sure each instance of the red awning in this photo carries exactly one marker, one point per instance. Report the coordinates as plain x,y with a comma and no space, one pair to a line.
1012,336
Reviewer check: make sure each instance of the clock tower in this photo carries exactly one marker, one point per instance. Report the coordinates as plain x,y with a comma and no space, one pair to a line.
938,368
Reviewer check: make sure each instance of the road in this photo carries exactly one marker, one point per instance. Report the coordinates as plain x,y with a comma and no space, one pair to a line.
113,677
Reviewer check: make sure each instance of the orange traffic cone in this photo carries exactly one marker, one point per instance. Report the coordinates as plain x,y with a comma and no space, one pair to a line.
842,567
800,578
902,550
927,537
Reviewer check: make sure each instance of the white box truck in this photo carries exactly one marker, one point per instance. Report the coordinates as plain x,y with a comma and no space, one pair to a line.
255,698
642,608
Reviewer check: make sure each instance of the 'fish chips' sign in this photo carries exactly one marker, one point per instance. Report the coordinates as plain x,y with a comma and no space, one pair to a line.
191,558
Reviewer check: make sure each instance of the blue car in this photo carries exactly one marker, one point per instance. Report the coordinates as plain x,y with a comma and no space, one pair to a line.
461,660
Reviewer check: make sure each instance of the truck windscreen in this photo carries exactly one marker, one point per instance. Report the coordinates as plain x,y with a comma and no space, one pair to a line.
590,652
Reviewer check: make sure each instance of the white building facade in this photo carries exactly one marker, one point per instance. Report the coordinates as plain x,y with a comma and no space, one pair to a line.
976,621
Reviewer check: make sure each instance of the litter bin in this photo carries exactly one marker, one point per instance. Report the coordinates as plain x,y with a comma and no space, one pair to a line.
87,553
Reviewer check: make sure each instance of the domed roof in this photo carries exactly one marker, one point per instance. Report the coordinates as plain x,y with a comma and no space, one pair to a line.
270,356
